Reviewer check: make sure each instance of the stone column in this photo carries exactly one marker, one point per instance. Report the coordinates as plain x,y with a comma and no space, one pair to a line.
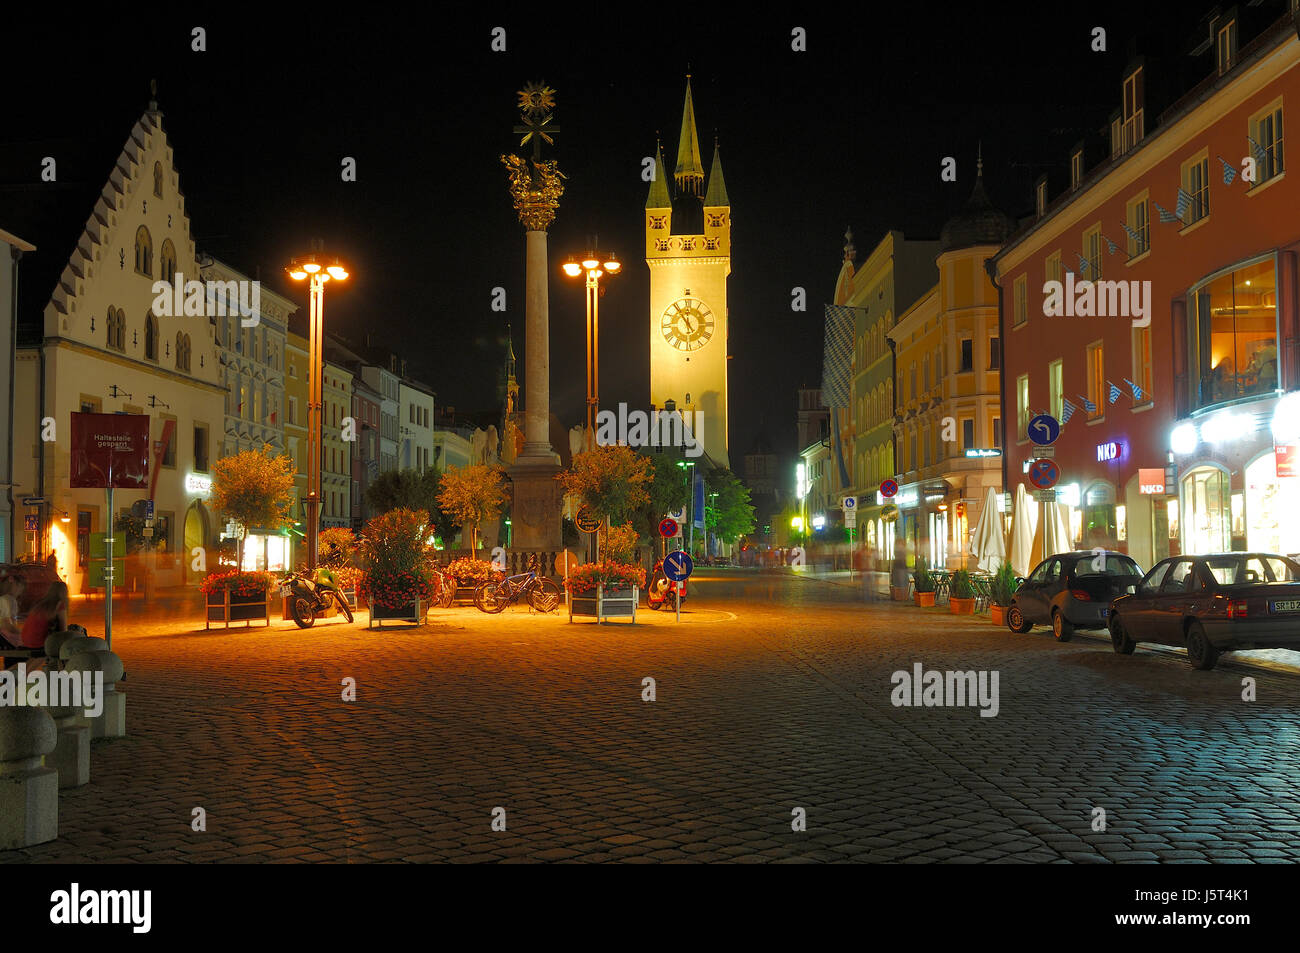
537,354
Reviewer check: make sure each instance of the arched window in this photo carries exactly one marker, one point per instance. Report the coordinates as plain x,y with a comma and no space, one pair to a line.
150,337
157,179
167,260
143,252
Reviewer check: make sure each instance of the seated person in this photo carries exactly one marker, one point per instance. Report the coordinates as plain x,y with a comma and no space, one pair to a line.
1263,368
48,615
11,591
1223,381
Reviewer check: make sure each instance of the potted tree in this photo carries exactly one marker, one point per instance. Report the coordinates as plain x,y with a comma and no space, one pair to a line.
604,590
923,582
471,495
254,488
1001,589
961,593
397,581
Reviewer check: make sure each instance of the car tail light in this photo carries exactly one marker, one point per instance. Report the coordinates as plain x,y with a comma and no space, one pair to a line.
1080,595
1237,609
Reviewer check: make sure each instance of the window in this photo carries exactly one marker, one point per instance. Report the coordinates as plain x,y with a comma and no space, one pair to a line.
925,446
157,179
293,411
150,337
1076,168
911,451
1139,227
1225,46
1151,585
169,453
1142,364
116,328
1234,340
1052,267
143,252
1092,252
1133,128
997,432
1022,406
167,261
1040,197
995,353
182,351
1020,301
1096,381
200,448
1195,197
1056,388
89,405
913,393
967,362
967,433
1266,142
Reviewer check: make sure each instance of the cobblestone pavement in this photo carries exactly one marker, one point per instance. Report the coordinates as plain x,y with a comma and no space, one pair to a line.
772,694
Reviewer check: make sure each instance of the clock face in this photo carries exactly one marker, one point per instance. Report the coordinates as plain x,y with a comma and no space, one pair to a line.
687,324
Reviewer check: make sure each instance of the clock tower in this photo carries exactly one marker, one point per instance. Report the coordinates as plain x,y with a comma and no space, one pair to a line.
688,249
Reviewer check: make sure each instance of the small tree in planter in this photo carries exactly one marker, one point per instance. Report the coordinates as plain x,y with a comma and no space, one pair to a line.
604,589
397,583
254,488
923,582
471,495
1001,590
961,593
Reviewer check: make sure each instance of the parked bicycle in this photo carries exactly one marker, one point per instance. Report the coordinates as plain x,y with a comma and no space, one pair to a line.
543,594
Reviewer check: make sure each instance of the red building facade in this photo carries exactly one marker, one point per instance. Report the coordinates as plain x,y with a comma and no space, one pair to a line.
1169,348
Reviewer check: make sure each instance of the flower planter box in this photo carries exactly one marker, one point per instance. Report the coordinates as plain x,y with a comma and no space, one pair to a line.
924,599
898,593
465,591
605,604
998,615
225,606
413,612
961,606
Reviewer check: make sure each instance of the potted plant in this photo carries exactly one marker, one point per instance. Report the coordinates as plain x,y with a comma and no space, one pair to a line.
923,582
605,590
233,596
1001,588
470,573
961,593
397,582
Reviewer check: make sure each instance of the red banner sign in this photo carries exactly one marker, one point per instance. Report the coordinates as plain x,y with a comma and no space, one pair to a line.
110,450
1151,481
1287,459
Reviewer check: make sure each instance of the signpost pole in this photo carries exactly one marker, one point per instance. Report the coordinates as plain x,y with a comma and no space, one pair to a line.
108,570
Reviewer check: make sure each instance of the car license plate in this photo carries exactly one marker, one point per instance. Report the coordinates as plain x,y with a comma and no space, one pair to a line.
1286,605
286,591
1105,612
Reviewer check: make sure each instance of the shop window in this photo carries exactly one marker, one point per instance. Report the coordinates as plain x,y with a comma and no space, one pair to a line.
1233,328
1271,507
1099,526
1206,511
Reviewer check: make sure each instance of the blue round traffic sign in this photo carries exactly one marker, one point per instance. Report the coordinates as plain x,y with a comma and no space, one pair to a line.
1043,429
889,488
678,566
1044,473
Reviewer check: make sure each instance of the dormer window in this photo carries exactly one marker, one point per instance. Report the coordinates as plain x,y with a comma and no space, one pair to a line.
1225,44
1076,167
1040,197
1133,118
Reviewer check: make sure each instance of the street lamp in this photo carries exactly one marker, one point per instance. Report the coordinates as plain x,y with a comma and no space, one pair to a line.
319,269
594,265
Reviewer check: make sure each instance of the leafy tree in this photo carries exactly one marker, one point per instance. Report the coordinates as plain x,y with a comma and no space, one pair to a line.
669,491
472,494
730,515
613,480
411,489
254,488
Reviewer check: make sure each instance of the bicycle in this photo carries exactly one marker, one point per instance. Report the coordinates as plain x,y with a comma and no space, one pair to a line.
543,594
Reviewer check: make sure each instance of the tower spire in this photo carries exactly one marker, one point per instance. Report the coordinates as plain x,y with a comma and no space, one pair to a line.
658,197
690,170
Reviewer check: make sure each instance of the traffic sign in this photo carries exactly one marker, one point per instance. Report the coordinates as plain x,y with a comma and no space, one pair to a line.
669,528
587,521
1045,496
1044,451
849,503
1043,428
850,518
678,514
678,566
889,488
31,522
33,500
1044,474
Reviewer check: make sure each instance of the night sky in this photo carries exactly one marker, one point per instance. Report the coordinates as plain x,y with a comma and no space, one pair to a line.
850,132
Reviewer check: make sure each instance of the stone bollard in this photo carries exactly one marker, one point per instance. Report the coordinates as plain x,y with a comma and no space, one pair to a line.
111,722
29,791
71,755
75,645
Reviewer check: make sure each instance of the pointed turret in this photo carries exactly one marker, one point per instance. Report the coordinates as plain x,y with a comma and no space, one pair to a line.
717,193
658,197
690,170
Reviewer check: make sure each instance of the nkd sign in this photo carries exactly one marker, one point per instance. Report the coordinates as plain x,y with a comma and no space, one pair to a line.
1151,481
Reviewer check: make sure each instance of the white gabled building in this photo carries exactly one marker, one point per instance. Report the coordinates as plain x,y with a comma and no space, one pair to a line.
105,350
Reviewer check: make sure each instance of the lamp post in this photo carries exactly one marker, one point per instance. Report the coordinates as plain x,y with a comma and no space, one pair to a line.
320,270
593,266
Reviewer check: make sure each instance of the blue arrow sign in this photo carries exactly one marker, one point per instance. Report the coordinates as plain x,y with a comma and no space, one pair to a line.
1044,429
678,566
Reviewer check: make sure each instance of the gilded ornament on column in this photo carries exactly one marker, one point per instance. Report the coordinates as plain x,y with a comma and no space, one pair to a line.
535,185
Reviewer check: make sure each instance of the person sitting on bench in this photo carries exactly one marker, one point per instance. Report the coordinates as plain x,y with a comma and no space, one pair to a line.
11,590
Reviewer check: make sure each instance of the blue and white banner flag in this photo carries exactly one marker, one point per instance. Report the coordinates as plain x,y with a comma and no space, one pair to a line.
1067,411
1114,391
1138,392
1166,216
1091,407
837,357
1229,171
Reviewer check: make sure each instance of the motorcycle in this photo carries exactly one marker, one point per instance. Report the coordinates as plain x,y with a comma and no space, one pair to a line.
308,597
659,592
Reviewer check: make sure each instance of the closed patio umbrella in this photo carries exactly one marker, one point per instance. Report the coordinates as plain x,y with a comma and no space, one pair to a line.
988,545
1023,523
1053,534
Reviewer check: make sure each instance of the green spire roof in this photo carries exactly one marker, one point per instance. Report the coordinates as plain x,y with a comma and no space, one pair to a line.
717,194
658,197
689,166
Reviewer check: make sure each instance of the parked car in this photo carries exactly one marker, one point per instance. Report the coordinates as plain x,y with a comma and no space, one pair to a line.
1210,605
1071,591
